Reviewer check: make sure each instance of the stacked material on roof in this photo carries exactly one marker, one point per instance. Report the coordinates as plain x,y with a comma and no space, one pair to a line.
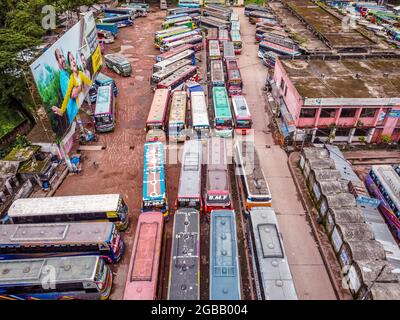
356,235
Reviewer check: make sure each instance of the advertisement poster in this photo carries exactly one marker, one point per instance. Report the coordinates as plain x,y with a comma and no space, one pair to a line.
64,73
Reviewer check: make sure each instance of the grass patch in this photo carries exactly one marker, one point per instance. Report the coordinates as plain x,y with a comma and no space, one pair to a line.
296,37
9,120
257,2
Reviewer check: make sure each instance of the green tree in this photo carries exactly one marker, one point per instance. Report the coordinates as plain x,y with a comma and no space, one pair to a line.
72,5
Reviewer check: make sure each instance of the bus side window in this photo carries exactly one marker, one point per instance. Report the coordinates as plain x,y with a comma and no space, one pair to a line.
62,287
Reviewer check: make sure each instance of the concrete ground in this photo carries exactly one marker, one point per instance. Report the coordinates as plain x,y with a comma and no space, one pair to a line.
121,162
310,276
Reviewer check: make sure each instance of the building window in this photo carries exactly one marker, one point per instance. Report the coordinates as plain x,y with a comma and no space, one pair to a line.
285,91
359,132
368,113
348,113
323,132
282,84
342,132
328,113
307,113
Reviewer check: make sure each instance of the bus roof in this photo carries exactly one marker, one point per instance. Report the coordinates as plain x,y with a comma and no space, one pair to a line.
214,47
217,166
221,103
277,282
178,19
104,96
185,252
33,271
240,107
234,74
217,70
177,113
171,68
254,175
186,40
190,179
223,35
229,50
199,109
212,34
143,271
117,58
158,106
153,171
235,35
65,204
174,51
82,232
177,75
180,36
174,58
171,30
102,78
235,26
224,263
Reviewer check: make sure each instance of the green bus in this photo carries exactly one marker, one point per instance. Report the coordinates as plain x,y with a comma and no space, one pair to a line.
223,123
178,22
237,41
160,35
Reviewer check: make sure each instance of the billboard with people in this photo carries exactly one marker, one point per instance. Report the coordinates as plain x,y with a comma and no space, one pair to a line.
65,71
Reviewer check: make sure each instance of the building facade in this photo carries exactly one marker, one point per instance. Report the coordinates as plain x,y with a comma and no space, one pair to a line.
340,99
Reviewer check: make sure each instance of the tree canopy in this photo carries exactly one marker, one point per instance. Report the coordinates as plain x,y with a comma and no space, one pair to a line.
21,30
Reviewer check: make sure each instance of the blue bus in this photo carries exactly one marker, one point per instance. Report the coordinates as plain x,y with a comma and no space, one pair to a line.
154,196
224,261
101,80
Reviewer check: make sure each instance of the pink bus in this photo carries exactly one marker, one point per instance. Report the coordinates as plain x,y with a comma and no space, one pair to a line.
142,279
158,112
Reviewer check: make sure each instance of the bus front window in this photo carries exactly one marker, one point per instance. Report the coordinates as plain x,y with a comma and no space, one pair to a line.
103,119
244,124
224,123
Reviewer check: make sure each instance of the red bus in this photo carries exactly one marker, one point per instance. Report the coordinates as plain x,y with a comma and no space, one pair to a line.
142,279
189,191
242,115
234,82
218,193
179,77
223,35
173,52
212,34
156,119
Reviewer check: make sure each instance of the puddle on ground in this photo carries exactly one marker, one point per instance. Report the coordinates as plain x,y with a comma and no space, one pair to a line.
139,78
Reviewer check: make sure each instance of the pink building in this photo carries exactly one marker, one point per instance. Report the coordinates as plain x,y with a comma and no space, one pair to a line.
342,99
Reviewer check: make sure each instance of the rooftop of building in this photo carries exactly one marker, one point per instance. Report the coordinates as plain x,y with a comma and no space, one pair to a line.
329,25
345,78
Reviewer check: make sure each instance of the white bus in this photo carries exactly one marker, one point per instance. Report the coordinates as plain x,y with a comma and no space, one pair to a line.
200,121
83,278
187,54
101,207
177,117
165,73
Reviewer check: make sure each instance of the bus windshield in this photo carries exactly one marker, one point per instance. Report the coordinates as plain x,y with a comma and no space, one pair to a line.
103,119
244,123
224,122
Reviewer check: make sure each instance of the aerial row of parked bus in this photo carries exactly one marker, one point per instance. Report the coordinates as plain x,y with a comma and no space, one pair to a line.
60,247
230,108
